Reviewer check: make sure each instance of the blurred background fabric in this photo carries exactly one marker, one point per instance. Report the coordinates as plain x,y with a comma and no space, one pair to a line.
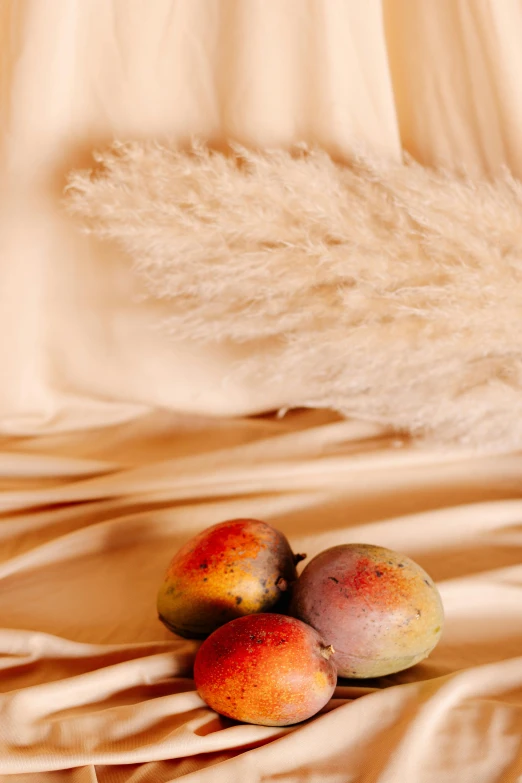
119,443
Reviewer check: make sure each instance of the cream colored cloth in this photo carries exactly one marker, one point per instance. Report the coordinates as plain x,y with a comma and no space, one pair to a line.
92,685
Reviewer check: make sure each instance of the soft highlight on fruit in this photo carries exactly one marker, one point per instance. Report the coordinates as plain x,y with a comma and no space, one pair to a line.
266,669
235,568
379,609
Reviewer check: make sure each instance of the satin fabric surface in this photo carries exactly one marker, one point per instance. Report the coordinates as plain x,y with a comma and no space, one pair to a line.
114,446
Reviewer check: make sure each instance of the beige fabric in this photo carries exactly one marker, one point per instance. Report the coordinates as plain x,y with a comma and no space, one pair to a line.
455,66
92,685
92,681
80,346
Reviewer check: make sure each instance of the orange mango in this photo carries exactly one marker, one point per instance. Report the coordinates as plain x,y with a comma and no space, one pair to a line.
267,669
235,568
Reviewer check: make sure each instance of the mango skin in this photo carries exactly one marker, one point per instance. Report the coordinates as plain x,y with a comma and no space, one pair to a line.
237,567
266,669
379,609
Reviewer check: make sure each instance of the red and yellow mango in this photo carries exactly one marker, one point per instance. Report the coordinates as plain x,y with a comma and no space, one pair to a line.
267,669
235,568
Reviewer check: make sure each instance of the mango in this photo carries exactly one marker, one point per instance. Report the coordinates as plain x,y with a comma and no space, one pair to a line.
267,669
379,609
238,567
